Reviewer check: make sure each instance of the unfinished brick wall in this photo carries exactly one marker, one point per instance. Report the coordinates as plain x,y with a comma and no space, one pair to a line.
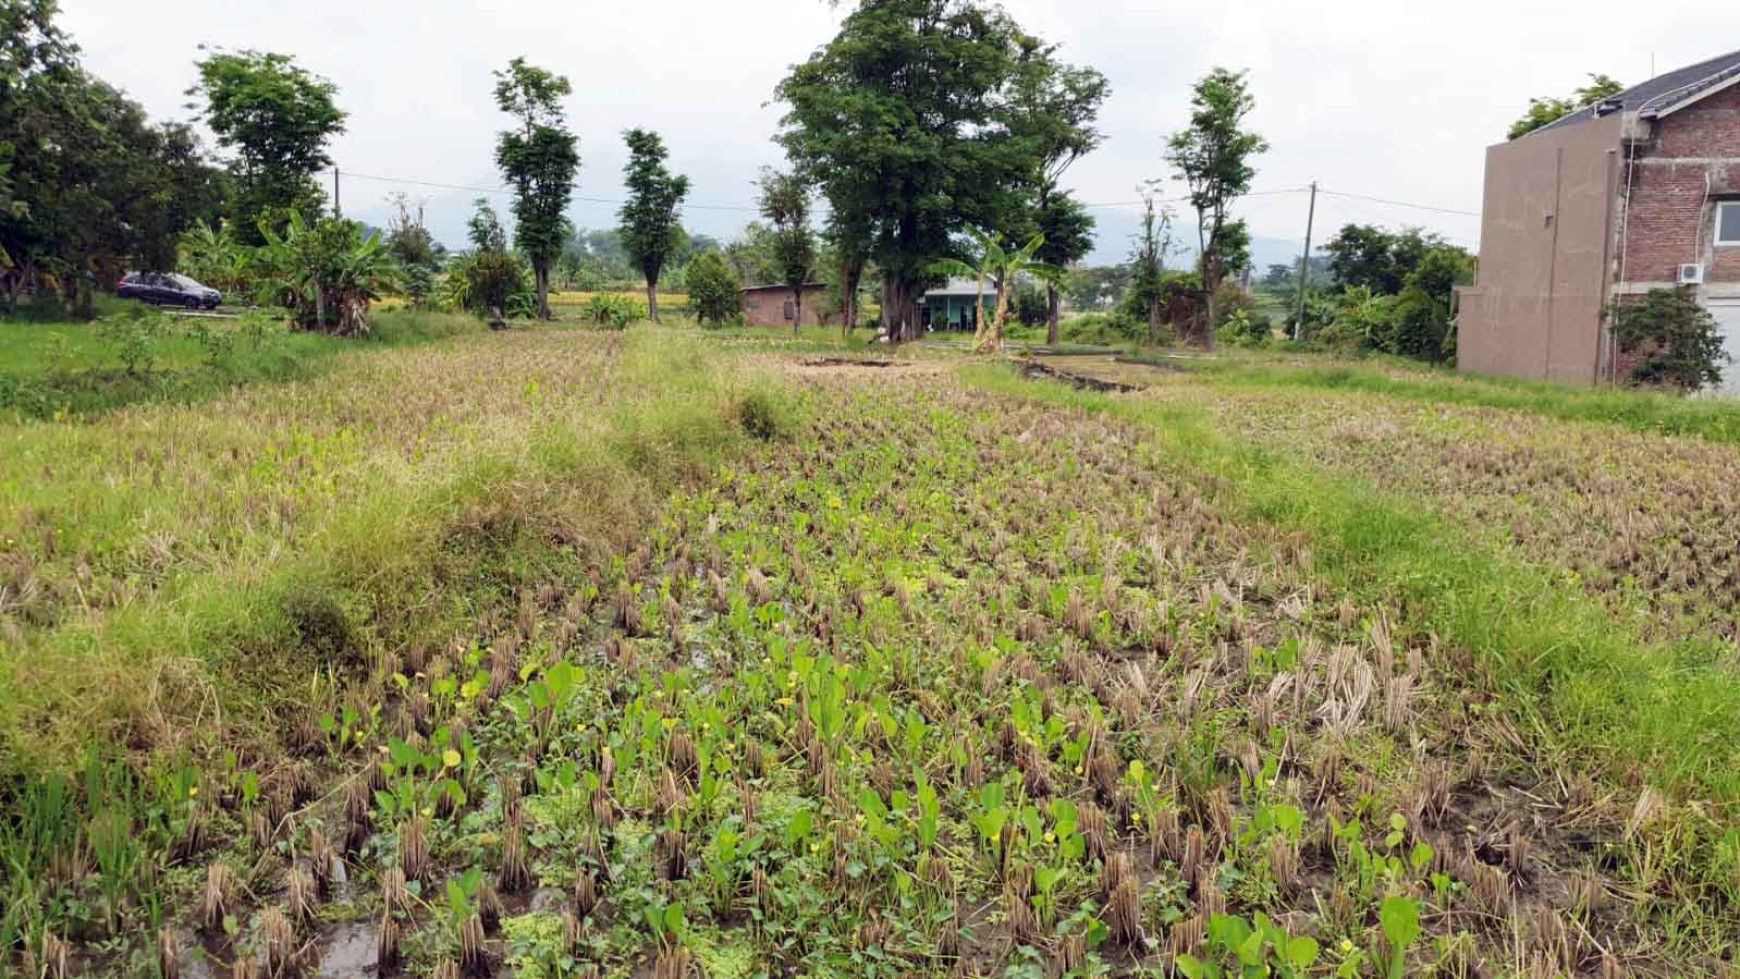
1693,162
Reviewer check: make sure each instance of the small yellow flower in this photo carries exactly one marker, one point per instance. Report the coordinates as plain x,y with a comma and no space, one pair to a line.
193,792
815,848
450,758
1346,946
1050,838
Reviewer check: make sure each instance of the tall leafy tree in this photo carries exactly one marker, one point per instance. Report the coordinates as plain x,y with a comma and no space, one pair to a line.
277,118
1213,156
1052,110
848,238
1543,111
539,159
1148,260
785,202
650,227
483,229
88,184
901,120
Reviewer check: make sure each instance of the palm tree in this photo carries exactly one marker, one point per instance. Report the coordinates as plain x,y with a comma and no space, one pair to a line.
1003,268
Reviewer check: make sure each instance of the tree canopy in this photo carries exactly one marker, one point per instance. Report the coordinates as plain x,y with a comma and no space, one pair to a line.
88,185
785,202
1547,110
1213,156
649,217
1053,108
539,159
277,118
902,119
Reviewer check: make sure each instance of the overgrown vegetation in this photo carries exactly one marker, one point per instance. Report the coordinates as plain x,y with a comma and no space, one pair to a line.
1673,339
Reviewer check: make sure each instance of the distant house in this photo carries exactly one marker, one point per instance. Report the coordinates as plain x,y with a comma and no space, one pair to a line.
774,305
954,305
1637,192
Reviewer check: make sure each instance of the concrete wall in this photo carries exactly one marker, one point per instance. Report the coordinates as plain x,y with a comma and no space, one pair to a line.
767,306
1545,250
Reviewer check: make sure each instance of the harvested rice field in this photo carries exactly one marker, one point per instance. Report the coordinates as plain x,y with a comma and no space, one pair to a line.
559,653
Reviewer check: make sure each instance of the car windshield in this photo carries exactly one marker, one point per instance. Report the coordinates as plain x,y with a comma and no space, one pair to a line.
185,282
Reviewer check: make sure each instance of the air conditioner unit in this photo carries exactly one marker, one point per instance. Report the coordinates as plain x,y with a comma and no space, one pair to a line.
1691,274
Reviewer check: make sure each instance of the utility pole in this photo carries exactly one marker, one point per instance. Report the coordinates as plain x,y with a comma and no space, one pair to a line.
337,207
1305,265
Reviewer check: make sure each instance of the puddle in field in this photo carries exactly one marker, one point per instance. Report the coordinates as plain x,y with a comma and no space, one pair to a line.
348,950
1034,369
849,362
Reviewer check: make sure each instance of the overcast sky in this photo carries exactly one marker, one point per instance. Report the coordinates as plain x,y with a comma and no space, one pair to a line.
1371,97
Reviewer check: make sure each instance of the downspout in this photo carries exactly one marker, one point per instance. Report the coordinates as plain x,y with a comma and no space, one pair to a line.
1624,227
1604,351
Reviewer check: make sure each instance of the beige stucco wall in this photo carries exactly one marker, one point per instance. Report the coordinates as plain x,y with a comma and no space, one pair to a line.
1545,249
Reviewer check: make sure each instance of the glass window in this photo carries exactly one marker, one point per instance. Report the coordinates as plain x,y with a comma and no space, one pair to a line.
1728,223
184,282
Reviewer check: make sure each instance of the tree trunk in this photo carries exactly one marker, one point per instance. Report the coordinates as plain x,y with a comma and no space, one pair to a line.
652,300
1213,316
849,274
900,309
993,336
319,306
797,318
1154,319
542,271
1053,309
981,324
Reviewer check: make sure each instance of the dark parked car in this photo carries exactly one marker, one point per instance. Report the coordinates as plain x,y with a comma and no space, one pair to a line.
166,289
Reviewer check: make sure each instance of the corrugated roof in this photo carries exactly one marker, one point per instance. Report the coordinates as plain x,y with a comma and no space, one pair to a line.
1661,91
784,288
961,287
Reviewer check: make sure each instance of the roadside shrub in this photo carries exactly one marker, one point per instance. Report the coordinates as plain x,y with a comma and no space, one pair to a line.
762,417
1674,337
614,312
319,623
1030,306
714,289
133,336
1422,326
1245,328
1364,321
491,283
1104,329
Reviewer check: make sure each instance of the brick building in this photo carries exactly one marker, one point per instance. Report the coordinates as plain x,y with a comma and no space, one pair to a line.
775,305
1638,192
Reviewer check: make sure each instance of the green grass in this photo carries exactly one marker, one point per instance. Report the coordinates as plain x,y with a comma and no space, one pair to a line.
70,369
1581,683
170,559
1644,411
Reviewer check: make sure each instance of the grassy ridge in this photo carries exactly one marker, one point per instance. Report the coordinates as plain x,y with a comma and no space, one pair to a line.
1591,692
168,560
1643,411
64,370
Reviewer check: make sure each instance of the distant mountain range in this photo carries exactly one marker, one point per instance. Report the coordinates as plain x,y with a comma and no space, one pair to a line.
1115,233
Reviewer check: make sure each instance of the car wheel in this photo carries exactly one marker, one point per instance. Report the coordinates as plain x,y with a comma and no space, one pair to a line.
191,303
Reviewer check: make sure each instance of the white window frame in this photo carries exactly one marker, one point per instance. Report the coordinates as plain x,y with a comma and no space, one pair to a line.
1722,208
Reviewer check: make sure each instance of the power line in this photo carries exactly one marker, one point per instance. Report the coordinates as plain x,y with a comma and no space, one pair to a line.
1183,200
1382,200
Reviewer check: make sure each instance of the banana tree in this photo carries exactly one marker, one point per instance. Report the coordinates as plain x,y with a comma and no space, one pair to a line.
1003,268
325,273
